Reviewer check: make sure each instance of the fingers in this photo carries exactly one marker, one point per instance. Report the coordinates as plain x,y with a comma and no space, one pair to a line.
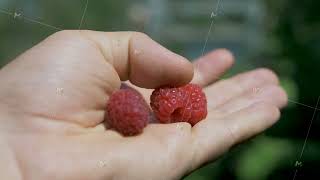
141,60
212,138
271,94
207,69
251,121
225,90
211,66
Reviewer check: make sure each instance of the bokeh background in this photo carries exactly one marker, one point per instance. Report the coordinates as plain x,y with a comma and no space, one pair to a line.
283,35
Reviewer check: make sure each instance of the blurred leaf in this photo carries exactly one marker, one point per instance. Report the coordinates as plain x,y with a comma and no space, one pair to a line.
264,155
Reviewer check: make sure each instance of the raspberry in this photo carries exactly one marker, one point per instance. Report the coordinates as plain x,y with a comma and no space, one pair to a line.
183,104
127,112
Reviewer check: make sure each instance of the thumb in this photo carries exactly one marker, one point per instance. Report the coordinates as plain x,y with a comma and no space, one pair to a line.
141,60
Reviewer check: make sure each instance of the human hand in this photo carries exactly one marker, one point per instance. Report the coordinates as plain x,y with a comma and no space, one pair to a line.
53,97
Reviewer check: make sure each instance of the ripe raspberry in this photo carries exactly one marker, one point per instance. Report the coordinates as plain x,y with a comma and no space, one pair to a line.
183,104
127,112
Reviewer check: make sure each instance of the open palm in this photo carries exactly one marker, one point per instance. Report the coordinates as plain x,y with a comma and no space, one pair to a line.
54,95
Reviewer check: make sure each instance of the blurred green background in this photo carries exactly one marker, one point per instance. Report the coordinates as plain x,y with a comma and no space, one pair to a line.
283,35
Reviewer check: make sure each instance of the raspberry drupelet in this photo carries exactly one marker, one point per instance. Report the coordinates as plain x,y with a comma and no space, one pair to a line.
127,112
179,104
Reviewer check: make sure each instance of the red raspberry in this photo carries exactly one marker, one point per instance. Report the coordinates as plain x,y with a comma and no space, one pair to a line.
127,112
183,104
